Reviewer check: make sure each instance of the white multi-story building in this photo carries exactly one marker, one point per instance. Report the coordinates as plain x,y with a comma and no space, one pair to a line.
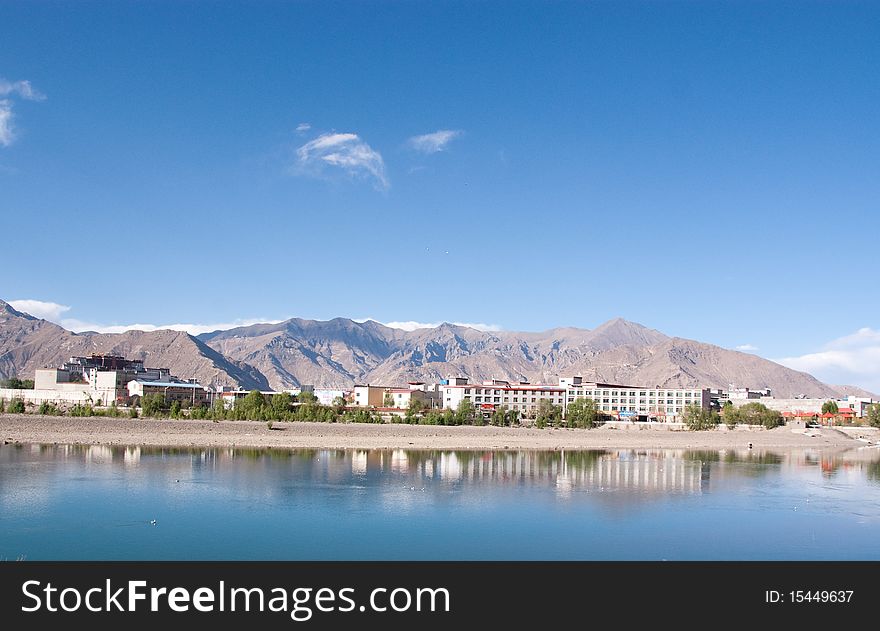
521,397
634,401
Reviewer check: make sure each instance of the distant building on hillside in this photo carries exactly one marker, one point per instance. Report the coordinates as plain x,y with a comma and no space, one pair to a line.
96,379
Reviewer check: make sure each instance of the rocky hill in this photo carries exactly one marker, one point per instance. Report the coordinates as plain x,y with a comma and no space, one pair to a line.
28,343
342,352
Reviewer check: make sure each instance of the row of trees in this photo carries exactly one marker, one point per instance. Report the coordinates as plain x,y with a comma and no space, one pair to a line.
255,406
696,418
17,384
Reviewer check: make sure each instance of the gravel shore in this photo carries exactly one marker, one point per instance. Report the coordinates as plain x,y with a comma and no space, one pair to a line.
186,433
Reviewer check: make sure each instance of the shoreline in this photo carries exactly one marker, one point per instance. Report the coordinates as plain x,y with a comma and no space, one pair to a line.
36,429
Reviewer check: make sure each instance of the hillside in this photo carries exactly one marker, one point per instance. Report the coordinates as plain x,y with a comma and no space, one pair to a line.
342,352
28,343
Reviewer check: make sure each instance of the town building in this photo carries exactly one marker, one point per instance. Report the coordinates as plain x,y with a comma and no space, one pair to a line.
96,380
187,394
522,397
396,397
636,402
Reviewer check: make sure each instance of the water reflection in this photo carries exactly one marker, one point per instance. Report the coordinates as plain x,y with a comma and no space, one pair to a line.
649,470
73,501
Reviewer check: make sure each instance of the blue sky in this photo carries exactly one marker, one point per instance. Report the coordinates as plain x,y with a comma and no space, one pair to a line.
706,169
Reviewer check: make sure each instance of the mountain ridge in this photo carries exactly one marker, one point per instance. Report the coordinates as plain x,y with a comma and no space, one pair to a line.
342,352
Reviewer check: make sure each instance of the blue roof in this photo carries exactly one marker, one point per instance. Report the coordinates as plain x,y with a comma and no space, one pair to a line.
169,384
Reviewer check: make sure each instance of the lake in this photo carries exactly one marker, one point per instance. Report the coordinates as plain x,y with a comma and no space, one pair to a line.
96,503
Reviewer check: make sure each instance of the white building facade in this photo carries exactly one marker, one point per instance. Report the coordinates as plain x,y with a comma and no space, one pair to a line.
635,401
520,397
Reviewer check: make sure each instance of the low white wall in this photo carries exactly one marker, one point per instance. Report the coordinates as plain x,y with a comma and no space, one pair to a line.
52,396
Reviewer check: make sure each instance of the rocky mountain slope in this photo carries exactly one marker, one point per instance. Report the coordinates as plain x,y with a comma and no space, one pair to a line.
342,352
28,343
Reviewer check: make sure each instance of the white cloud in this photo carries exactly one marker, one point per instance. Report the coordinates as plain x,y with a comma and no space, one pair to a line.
434,142
54,312
746,348
23,89
6,135
412,325
303,127
46,310
852,359
347,152
79,326
20,89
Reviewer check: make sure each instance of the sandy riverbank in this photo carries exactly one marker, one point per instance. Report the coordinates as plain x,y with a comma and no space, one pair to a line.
185,433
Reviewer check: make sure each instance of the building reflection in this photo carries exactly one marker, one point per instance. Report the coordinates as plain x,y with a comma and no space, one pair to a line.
646,471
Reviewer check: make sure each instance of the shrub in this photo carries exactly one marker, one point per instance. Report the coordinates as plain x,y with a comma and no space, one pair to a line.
2,406
132,412
48,409
874,415
81,409
16,406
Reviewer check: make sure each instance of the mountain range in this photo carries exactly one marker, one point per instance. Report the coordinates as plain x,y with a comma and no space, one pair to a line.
341,352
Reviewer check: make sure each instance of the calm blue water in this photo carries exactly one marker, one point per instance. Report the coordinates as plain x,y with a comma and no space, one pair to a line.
66,502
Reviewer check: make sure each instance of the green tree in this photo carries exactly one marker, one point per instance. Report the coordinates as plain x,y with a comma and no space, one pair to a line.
339,404
414,410
731,415
759,414
15,383
512,418
696,418
466,413
250,407
499,416
583,413
282,404
175,409
306,397
548,412
388,400
153,405
874,415
830,407
218,409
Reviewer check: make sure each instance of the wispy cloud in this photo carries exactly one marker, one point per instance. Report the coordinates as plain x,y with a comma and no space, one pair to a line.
9,91
746,348
434,142
303,127
54,312
346,152
852,359
51,311
6,135
412,325
23,89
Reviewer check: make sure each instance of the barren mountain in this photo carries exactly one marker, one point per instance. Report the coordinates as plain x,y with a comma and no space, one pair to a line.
28,343
341,352
855,391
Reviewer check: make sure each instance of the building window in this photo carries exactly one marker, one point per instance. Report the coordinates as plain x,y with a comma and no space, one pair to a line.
467,390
